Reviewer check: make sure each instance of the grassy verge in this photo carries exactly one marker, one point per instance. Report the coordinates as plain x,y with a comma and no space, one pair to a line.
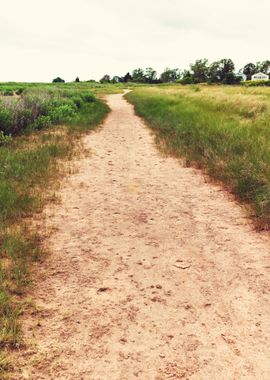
29,164
223,130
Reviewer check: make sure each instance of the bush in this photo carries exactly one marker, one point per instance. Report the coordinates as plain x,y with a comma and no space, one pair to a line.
21,119
88,97
77,100
187,80
19,91
5,119
42,122
61,113
8,93
35,103
58,80
253,83
39,109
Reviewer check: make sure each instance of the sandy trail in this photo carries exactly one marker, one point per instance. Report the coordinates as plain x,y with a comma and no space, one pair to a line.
154,273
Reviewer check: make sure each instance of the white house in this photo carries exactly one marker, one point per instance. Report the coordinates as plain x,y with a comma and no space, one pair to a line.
260,76
241,76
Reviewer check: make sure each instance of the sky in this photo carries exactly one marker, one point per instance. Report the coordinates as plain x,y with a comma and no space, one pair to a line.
43,39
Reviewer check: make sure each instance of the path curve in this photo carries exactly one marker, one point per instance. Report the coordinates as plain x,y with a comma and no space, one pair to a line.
154,273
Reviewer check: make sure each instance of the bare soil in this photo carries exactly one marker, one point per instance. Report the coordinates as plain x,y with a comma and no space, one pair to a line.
154,273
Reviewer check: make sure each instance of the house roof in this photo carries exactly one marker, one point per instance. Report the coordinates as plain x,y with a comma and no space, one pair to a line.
261,74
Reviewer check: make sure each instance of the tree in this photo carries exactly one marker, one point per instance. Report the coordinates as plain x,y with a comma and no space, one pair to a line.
117,79
187,78
214,72
200,70
127,78
138,76
170,75
231,78
226,70
249,70
77,80
58,80
263,67
150,75
222,71
105,79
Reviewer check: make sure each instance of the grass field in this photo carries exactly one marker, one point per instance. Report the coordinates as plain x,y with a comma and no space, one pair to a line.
223,129
40,126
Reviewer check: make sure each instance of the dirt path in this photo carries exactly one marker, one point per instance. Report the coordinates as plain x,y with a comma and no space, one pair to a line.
154,273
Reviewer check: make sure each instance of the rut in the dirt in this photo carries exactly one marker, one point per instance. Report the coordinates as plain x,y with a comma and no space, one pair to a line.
153,273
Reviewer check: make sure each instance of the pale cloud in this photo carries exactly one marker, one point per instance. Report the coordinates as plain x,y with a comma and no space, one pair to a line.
42,39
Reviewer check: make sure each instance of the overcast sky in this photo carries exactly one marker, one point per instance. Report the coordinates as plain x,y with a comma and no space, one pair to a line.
42,39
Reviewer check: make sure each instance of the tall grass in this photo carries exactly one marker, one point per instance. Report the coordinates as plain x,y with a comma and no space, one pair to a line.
224,130
29,163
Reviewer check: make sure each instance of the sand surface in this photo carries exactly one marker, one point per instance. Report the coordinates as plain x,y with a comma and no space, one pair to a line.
153,274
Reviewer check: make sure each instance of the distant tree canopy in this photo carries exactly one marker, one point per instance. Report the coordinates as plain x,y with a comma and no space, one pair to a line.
170,75
264,66
58,80
249,69
77,80
186,77
116,79
105,79
222,71
201,71
127,78
150,75
138,75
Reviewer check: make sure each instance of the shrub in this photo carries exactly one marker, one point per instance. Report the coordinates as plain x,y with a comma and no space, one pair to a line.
39,109
5,119
22,117
58,80
187,80
8,93
35,103
19,91
88,97
253,83
42,122
61,113
77,100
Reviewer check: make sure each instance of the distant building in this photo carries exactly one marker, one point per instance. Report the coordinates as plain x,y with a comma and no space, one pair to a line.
241,76
260,76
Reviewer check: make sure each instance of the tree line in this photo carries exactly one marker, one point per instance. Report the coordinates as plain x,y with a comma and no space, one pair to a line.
222,71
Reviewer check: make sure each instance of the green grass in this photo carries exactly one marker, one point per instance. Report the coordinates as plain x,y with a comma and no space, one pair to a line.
30,163
225,130
94,87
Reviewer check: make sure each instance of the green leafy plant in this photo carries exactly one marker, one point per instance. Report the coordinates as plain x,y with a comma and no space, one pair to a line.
5,139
